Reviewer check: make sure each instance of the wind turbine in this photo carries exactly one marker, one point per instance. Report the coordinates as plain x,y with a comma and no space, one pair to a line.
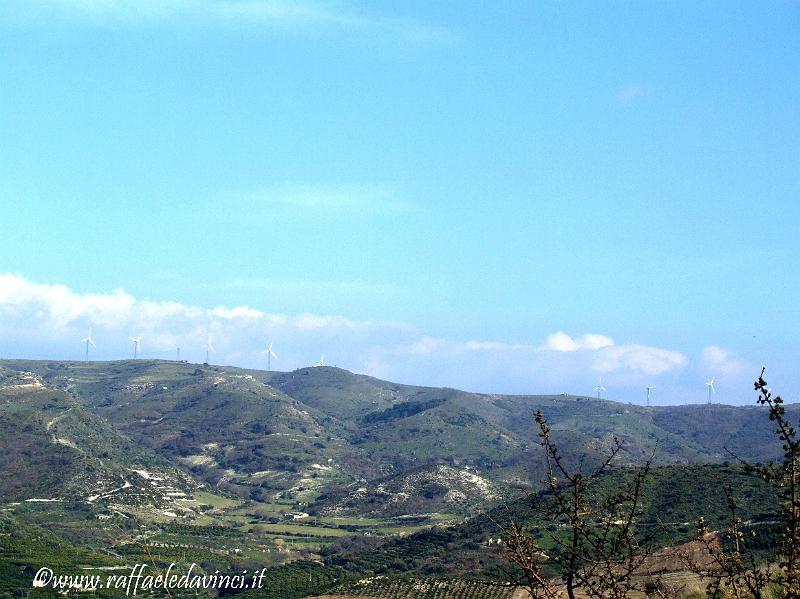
321,361
649,389
270,354
88,340
209,348
710,385
135,341
599,387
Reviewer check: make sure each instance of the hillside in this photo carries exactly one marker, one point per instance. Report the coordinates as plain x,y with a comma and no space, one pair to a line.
52,448
325,431
672,501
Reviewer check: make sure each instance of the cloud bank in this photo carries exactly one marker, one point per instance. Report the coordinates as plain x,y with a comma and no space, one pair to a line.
49,320
54,316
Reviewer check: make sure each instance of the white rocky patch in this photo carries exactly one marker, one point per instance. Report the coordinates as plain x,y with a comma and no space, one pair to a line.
24,380
94,498
199,460
53,421
147,476
459,486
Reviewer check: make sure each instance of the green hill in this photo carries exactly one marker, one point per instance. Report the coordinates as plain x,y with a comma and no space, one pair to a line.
52,447
326,431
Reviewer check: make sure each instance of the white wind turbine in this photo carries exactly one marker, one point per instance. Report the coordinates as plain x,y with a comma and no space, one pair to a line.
649,389
270,354
710,385
209,348
135,341
599,387
88,340
321,361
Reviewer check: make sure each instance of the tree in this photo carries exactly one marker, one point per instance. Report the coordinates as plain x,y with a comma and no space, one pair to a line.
785,476
726,564
729,568
596,548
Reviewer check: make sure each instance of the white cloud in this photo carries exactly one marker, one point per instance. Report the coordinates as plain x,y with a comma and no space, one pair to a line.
647,360
564,343
237,312
59,306
285,14
54,316
630,94
606,356
718,360
47,315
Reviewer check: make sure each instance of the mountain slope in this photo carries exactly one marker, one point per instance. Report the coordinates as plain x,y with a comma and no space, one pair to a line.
51,447
325,431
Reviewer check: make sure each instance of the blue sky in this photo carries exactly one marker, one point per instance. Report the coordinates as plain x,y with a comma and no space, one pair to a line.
509,197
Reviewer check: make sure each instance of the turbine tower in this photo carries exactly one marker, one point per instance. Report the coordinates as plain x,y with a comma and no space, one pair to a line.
321,361
270,354
135,341
599,387
209,348
649,389
88,340
710,385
